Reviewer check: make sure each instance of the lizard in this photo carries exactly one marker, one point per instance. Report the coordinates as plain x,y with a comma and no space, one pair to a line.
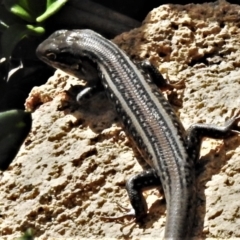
147,117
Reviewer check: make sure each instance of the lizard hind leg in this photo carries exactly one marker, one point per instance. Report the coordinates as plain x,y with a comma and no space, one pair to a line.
145,180
130,213
158,79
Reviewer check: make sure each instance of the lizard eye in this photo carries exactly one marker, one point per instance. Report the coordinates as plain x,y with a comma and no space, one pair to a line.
51,56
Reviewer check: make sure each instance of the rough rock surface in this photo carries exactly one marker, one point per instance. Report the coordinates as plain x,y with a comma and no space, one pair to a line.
72,168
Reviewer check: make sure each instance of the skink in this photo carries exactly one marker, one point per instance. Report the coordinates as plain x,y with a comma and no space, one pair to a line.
147,116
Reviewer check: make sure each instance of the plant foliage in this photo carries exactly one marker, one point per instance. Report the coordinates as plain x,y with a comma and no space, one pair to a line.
14,127
21,18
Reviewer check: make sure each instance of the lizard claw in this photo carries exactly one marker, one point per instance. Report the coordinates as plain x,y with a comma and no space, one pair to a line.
178,85
234,122
130,213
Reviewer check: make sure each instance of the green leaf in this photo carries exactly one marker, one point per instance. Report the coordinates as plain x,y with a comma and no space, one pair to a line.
11,37
24,4
14,128
14,7
26,9
35,8
50,2
8,18
35,30
52,7
22,13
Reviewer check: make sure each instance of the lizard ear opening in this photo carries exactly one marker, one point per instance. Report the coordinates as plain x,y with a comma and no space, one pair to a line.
51,56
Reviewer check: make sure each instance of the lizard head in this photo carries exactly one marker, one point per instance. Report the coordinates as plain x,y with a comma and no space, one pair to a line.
62,50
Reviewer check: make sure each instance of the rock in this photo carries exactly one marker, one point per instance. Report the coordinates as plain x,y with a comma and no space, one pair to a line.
72,169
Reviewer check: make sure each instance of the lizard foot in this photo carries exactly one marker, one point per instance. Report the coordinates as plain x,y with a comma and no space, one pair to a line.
129,214
234,122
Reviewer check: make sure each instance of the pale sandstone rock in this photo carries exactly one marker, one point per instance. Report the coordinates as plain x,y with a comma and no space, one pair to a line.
73,166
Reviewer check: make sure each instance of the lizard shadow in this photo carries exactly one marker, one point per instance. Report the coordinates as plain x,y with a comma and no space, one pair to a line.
95,112
206,167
